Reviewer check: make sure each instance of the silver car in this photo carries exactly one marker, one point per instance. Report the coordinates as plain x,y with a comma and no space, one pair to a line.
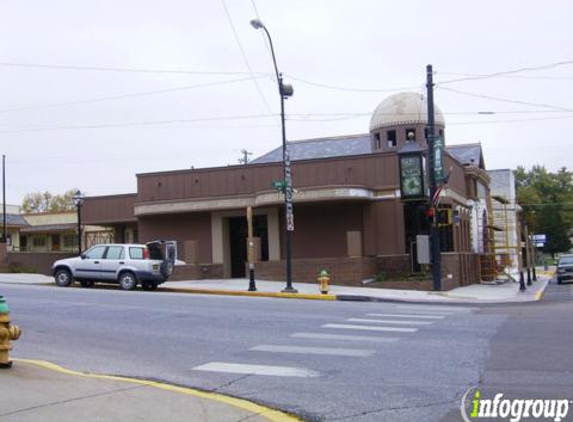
127,264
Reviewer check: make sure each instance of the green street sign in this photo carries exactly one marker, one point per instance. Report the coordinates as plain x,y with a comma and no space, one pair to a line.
278,184
438,160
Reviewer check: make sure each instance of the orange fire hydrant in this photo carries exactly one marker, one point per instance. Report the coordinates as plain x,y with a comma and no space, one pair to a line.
8,333
323,280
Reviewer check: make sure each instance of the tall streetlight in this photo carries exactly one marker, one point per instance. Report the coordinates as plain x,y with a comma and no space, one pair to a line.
285,91
78,202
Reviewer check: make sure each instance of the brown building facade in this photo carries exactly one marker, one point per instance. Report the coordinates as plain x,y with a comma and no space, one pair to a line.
349,214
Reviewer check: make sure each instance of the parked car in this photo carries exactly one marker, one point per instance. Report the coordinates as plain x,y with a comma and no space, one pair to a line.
126,264
564,268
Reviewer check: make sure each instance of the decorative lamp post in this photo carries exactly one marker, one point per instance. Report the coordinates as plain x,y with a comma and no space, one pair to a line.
285,91
78,202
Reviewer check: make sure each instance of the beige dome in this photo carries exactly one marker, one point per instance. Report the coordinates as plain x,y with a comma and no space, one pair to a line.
402,109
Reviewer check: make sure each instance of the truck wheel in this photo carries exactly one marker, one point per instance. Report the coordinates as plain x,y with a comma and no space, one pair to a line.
63,278
127,281
166,268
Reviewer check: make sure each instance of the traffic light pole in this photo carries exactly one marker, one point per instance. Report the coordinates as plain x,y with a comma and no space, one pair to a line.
435,232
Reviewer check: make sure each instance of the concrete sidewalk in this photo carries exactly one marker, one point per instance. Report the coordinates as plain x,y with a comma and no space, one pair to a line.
37,391
477,293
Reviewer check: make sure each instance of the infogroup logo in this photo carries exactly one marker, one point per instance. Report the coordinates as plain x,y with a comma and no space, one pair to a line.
474,408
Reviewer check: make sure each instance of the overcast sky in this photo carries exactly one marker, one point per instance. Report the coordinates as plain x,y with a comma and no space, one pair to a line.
193,83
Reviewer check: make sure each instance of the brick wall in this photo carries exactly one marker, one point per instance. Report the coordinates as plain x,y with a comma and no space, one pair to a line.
197,272
393,264
343,271
40,262
460,269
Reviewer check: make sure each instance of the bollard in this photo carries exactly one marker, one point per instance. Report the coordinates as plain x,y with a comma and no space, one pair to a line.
522,287
528,276
8,333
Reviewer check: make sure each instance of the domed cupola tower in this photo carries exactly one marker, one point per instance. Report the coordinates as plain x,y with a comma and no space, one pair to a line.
399,115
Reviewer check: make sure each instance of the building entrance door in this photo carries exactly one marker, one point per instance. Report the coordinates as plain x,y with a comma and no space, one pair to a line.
238,232
55,242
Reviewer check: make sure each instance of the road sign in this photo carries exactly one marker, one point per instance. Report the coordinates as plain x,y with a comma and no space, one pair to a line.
290,221
278,184
541,238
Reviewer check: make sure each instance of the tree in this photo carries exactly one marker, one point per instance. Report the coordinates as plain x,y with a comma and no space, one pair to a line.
547,202
37,202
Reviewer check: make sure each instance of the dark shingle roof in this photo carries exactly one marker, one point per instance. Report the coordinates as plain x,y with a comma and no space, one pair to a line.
320,148
467,154
14,220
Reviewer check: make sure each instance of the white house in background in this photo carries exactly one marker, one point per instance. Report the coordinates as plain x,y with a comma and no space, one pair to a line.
57,232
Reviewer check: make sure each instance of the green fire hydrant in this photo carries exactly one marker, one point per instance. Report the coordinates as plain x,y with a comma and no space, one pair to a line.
8,333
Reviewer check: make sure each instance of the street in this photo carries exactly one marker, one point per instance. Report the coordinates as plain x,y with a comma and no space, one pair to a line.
323,361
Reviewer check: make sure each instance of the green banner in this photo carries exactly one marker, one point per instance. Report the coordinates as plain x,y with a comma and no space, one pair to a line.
438,160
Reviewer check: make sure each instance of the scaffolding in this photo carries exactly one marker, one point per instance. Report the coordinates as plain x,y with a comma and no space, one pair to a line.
501,261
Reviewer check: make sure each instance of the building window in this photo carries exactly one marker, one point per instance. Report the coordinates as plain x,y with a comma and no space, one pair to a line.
39,242
391,137
70,241
408,131
377,141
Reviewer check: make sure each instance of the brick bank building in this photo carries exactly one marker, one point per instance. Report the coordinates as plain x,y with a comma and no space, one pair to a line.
350,214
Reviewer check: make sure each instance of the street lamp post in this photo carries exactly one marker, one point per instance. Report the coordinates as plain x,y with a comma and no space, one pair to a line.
285,91
78,202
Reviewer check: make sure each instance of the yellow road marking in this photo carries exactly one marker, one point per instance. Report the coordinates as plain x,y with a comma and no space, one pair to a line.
271,414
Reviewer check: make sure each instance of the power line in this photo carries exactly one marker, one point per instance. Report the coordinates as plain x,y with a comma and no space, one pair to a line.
507,72
125,96
539,77
351,89
506,100
144,123
119,69
510,121
244,55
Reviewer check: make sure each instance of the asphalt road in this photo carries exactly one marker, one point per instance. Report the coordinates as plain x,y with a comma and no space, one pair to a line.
324,361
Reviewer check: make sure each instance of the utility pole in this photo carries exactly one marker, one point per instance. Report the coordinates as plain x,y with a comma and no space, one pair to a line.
435,232
245,159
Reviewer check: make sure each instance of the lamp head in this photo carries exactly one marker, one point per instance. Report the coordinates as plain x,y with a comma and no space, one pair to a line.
78,198
257,24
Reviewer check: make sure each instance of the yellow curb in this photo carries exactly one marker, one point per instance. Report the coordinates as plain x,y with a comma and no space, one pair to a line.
247,293
539,295
270,414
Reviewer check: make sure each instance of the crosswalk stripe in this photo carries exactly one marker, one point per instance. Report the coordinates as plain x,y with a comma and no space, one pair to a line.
239,368
435,308
313,350
389,321
408,316
371,328
322,336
